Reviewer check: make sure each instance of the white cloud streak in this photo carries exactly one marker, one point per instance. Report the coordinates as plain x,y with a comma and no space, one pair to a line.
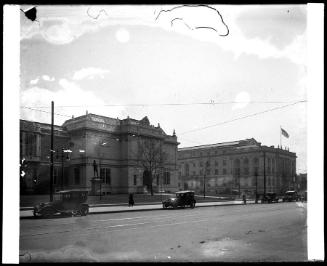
89,73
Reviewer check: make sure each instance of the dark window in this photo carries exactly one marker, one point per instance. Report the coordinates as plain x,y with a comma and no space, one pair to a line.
187,169
135,180
76,176
105,175
157,180
224,162
108,176
216,172
224,171
55,175
246,170
102,173
167,178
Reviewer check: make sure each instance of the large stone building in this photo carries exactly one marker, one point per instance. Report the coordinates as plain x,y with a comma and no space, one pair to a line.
243,166
101,154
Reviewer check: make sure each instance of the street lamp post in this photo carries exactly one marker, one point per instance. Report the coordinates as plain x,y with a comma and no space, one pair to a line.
239,182
204,184
63,151
256,187
264,173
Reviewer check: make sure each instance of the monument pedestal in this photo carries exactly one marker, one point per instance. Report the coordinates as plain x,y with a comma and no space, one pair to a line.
96,186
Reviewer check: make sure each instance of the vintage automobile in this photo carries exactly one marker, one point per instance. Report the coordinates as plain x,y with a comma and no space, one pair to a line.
182,199
291,195
269,197
70,202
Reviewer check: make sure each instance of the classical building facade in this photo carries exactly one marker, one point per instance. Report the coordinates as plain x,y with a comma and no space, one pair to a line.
243,166
101,154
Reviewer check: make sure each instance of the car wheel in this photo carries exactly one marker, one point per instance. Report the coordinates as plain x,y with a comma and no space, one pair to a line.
48,213
84,211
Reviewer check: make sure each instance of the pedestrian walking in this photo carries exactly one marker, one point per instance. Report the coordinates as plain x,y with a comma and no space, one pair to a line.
244,199
130,200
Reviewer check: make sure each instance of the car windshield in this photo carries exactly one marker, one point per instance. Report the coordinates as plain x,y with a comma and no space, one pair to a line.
57,196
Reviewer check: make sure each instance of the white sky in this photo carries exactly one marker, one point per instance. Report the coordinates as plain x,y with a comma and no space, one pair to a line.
92,56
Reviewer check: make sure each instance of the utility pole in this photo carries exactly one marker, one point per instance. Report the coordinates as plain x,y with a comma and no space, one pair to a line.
239,181
51,152
62,168
264,173
204,183
256,186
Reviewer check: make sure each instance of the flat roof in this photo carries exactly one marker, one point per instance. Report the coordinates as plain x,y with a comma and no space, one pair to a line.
221,144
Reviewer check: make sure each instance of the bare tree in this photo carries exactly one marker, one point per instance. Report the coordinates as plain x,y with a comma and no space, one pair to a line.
151,157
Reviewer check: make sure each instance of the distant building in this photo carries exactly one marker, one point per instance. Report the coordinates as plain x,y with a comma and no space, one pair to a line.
301,181
92,142
237,166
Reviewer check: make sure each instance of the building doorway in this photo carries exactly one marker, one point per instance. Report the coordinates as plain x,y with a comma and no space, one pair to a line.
147,179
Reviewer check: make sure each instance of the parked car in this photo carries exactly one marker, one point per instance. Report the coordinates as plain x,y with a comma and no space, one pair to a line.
270,197
303,196
182,199
65,202
291,195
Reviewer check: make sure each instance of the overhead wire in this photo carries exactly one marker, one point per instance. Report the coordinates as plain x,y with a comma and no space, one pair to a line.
212,102
242,117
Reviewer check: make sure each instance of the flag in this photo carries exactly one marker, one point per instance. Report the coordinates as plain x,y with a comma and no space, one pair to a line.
284,133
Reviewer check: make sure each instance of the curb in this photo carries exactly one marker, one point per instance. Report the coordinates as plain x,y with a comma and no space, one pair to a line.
151,209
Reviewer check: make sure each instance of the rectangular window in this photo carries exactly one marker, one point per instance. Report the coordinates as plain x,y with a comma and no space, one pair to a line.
167,178
157,180
102,173
224,162
224,171
135,180
76,176
216,172
201,172
246,170
108,176
105,175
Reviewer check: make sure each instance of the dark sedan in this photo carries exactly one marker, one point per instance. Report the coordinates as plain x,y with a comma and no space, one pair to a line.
182,199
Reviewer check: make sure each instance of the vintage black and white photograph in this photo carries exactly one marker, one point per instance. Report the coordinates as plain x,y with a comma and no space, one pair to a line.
163,133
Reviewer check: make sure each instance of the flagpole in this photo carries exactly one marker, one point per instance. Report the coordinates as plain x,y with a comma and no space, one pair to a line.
280,136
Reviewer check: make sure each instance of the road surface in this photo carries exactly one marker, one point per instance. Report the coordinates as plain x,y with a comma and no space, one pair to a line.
256,232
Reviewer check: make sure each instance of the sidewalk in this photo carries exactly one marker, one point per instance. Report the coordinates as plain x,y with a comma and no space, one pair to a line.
114,208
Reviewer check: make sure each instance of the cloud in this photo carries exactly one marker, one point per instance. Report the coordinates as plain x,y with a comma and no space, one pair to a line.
34,81
242,99
69,100
122,35
89,73
47,78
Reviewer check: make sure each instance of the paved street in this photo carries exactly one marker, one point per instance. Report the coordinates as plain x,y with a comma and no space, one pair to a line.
262,232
